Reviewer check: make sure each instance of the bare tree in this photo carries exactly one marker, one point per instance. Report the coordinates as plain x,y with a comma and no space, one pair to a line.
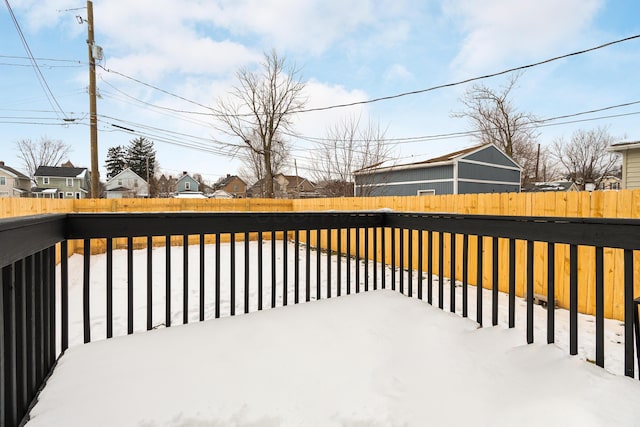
585,157
254,165
350,145
261,109
496,120
45,152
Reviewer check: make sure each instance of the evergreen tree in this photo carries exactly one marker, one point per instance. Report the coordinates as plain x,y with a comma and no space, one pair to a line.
116,161
138,152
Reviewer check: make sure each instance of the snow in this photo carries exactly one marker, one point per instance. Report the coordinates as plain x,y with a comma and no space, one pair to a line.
375,358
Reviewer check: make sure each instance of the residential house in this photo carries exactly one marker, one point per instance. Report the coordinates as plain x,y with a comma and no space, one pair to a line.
233,185
479,169
535,187
62,182
630,163
285,187
13,183
126,184
187,185
166,186
610,182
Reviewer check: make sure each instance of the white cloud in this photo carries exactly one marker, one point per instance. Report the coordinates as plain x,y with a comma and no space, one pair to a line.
397,72
496,30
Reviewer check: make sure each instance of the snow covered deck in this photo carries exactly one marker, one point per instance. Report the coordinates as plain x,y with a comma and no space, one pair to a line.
376,358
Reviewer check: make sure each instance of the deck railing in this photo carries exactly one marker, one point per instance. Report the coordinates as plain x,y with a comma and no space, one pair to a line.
349,251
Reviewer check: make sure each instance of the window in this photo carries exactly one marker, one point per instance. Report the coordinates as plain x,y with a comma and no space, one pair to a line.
45,180
426,192
235,188
77,195
61,195
69,182
69,195
3,180
187,185
120,182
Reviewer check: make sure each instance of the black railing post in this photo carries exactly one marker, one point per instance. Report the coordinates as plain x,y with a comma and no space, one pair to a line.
573,300
167,282
430,267
530,295
599,307
217,273
149,283
329,263
202,276
130,285
296,267
64,293
629,316
260,278
86,289
452,274
185,279
512,284
10,401
465,275
479,279
246,272
495,286
551,292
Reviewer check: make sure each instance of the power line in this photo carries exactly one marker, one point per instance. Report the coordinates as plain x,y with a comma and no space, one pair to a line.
486,76
41,79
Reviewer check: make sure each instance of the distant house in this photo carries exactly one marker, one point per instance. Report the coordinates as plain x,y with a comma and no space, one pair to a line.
233,185
62,182
186,184
630,163
166,186
535,187
13,183
610,182
479,169
126,184
285,187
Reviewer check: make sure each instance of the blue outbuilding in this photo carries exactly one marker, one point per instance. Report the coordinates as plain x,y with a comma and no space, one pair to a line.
479,169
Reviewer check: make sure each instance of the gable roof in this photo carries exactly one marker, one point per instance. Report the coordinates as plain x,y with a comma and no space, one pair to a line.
62,172
125,172
227,179
445,159
12,171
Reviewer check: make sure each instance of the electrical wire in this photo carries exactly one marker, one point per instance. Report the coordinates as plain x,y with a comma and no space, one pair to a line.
41,79
383,98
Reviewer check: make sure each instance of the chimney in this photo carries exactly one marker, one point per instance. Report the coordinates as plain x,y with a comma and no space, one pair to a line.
1,163
184,173
228,175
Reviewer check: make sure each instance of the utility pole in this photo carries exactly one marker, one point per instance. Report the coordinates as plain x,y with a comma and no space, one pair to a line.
93,119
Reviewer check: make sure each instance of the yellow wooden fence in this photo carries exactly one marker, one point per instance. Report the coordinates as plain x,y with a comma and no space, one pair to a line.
598,204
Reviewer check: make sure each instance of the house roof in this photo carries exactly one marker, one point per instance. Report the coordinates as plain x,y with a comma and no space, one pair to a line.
624,146
549,186
227,179
12,171
444,159
62,172
124,172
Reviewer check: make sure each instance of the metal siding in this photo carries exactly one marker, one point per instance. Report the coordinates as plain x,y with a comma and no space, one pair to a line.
420,174
412,189
489,173
477,187
491,155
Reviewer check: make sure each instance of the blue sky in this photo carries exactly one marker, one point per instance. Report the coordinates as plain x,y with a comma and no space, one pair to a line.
348,51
